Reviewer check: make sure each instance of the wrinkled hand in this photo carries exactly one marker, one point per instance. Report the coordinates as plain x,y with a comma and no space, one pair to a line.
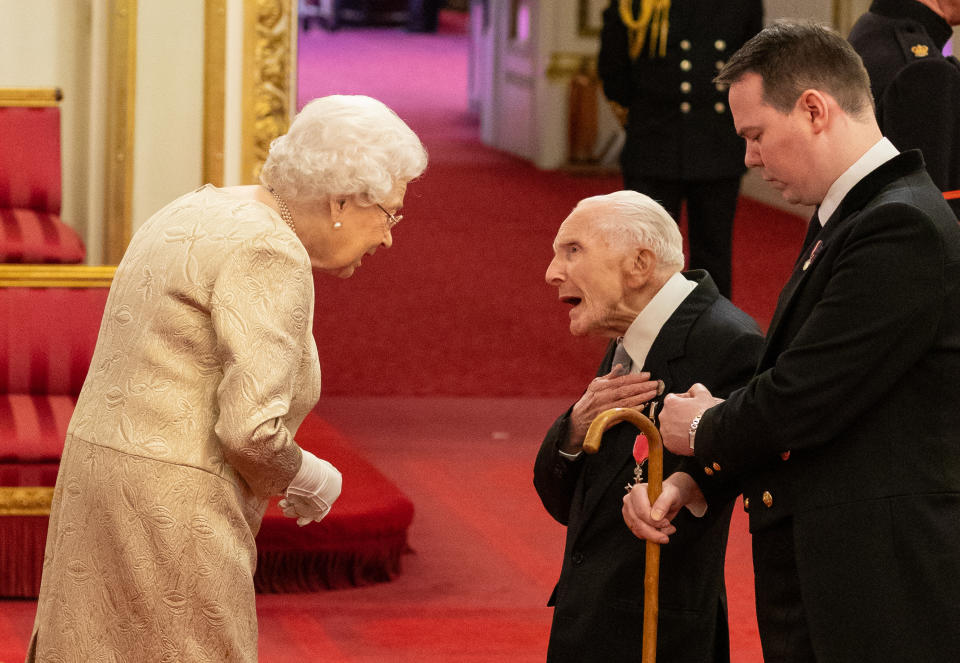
313,490
677,413
654,523
615,389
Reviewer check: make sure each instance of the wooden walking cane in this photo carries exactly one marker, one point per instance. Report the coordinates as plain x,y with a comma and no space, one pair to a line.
651,577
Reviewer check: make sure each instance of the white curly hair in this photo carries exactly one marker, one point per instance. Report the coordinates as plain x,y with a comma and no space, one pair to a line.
629,217
343,145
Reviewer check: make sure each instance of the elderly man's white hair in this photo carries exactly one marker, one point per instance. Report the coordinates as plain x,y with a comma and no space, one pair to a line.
343,145
628,218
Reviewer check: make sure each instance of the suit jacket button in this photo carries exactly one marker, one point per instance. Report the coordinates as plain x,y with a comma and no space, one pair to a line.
685,65
719,64
685,87
685,44
719,107
708,471
685,107
577,559
719,44
767,498
746,503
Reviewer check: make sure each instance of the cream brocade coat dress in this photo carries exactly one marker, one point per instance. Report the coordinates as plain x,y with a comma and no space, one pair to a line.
204,368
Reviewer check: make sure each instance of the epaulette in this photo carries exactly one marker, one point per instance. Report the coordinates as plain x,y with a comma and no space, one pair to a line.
916,43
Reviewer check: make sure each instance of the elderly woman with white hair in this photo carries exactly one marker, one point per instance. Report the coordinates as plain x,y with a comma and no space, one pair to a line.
204,369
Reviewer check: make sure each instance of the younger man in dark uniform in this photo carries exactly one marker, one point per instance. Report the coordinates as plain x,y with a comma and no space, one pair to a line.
915,87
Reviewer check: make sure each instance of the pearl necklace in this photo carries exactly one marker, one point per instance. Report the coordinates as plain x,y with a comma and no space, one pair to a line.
284,210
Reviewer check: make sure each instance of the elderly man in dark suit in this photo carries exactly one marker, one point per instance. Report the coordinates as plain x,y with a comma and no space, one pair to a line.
617,263
916,87
657,61
846,444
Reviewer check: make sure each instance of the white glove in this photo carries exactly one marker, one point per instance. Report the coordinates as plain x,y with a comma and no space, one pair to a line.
313,491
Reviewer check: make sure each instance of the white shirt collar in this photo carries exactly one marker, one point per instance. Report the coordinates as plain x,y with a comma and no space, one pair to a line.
646,326
882,151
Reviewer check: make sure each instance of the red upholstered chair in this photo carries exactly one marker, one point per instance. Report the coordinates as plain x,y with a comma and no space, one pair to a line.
31,230
50,320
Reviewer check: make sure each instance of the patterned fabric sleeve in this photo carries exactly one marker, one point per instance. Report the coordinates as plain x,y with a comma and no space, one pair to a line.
260,311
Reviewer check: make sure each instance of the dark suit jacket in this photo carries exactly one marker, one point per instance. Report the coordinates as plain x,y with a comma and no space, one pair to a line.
679,126
916,88
599,598
860,384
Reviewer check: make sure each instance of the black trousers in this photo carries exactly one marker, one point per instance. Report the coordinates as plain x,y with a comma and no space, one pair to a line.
711,206
784,634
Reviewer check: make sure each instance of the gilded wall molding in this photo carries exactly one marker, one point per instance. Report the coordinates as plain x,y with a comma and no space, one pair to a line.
121,98
30,97
14,275
566,65
25,500
214,89
269,41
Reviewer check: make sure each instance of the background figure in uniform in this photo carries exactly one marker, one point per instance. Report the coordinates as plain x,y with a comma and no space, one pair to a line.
617,260
915,87
680,143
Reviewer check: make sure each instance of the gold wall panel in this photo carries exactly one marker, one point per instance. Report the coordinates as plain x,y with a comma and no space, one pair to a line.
121,96
214,89
268,68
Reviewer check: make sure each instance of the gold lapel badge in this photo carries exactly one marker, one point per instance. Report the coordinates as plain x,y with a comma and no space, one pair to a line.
920,50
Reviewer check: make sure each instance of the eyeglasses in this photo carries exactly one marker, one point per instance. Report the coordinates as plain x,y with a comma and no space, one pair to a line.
391,219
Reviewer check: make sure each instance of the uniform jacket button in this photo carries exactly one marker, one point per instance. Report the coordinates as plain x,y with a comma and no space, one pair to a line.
720,107
719,64
716,467
685,65
708,471
685,44
685,87
685,107
746,503
720,44
767,499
